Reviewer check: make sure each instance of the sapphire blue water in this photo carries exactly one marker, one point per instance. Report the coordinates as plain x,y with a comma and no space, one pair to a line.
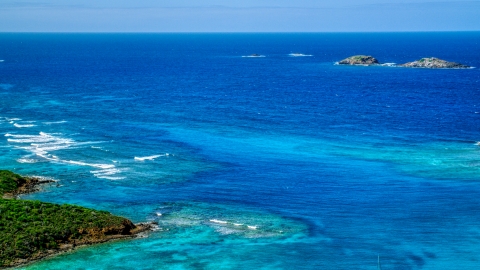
276,162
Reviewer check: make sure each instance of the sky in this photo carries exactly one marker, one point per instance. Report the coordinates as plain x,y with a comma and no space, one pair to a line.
238,15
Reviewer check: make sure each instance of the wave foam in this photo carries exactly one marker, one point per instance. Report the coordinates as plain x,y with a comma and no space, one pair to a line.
150,157
299,55
43,144
27,160
218,221
23,126
389,64
56,122
223,222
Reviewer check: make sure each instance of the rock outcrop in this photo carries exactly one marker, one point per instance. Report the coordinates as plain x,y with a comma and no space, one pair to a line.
364,60
433,62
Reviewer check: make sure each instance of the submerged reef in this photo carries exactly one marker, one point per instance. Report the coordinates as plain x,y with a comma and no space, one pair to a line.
32,230
364,60
226,221
433,62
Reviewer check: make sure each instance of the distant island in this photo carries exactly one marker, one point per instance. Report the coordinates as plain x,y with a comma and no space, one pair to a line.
32,230
432,62
254,55
363,60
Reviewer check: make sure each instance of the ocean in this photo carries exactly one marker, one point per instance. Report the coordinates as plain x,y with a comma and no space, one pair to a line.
274,162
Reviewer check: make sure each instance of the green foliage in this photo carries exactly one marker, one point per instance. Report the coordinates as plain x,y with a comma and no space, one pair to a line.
359,57
27,227
9,181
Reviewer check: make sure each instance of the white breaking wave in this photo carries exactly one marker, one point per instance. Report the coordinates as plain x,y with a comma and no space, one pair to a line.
43,144
27,160
299,55
150,157
389,64
23,126
111,178
222,222
56,122
218,221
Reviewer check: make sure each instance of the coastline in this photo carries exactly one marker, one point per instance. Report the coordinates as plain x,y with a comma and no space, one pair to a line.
138,232
33,184
89,235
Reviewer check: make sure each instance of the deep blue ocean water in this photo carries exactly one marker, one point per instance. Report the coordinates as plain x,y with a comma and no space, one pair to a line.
275,162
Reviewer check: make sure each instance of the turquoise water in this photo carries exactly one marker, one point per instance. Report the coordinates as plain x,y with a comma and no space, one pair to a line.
277,162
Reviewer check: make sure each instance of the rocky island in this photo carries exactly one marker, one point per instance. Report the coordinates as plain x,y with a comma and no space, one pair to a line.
363,60
433,62
32,230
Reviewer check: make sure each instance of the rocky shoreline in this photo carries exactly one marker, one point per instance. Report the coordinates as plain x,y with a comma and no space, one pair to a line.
32,184
140,228
429,62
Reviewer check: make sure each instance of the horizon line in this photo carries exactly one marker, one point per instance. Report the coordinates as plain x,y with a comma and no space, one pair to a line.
233,32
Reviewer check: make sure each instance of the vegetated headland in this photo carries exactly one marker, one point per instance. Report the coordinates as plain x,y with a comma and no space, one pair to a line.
32,230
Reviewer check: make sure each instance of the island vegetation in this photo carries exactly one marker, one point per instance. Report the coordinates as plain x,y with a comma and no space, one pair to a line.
31,230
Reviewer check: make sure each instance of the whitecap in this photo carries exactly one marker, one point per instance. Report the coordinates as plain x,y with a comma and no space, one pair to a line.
55,122
218,221
109,171
150,157
27,160
299,55
111,178
252,227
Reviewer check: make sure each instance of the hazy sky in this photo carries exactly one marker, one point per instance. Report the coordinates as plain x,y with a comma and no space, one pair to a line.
238,15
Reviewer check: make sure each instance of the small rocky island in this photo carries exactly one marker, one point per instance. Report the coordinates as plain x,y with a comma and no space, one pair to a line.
363,60
433,62
32,230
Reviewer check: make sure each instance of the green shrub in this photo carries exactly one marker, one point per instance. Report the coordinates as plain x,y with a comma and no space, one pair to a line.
9,181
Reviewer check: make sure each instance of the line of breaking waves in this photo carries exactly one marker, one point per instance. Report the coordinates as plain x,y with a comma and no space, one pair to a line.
42,145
